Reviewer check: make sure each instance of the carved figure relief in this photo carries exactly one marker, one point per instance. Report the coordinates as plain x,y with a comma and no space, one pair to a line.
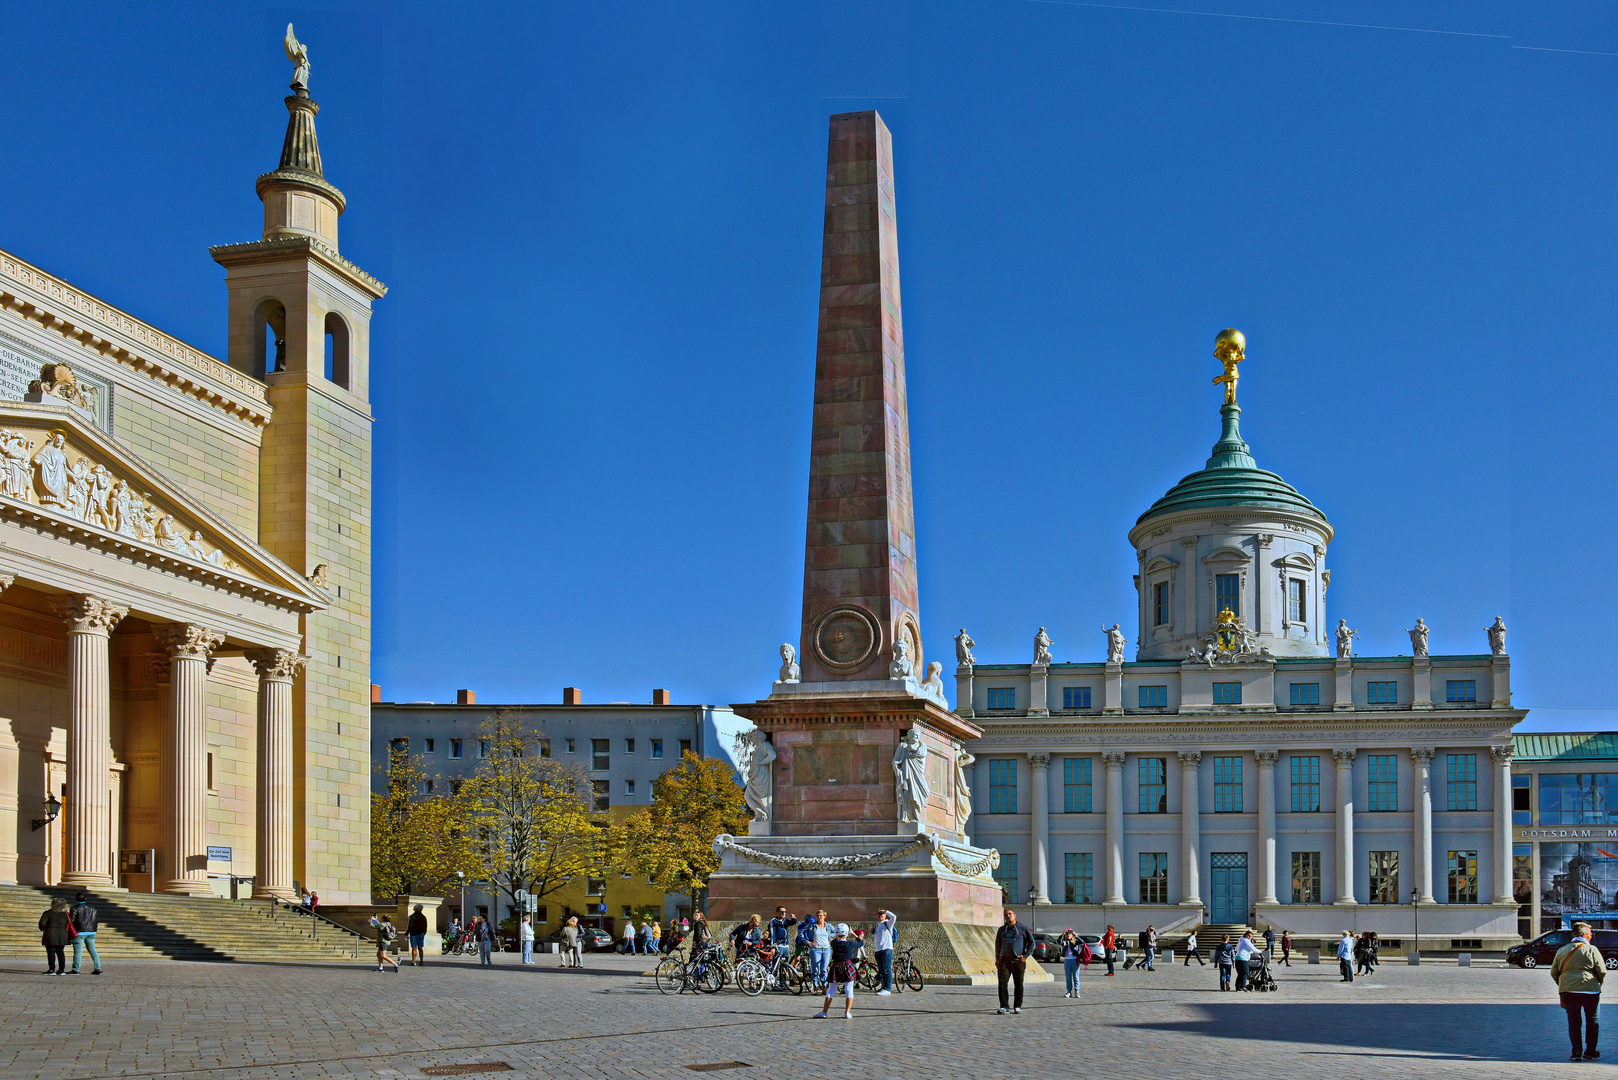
1231,642
910,768
754,755
963,788
902,667
58,381
933,684
789,664
14,468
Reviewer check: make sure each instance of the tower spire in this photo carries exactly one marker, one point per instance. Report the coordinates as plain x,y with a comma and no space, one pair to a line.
297,199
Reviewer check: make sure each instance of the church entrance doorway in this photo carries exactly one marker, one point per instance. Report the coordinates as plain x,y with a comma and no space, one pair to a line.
1227,905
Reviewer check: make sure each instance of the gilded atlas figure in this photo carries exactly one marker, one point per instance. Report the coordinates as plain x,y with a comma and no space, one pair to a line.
1230,347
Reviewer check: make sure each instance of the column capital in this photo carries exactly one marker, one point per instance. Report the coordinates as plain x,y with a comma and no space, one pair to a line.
1264,540
1344,757
1113,759
277,663
1039,762
1191,757
1267,758
187,641
86,614
6,581
1502,754
1422,755
1188,541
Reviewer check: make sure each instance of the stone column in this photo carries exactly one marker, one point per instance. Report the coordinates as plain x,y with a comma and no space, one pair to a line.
1345,825
1039,825
276,670
188,647
1502,823
1114,762
1421,759
1266,825
1190,827
89,738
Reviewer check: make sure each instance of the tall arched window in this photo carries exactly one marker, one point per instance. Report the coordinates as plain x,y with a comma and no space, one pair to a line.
337,350
269,337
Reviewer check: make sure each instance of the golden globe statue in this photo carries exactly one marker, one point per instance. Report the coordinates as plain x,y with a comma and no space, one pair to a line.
1230,347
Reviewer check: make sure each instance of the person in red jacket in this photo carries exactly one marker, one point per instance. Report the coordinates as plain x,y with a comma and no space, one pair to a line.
1109,942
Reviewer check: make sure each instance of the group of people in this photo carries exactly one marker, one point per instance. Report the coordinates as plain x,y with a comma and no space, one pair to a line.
651,939
834,950
62,924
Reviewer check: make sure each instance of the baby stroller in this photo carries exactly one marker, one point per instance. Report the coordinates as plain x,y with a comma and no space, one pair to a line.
1258,974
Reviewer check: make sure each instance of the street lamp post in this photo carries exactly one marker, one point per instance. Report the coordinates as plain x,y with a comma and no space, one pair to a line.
1415,914
1032,892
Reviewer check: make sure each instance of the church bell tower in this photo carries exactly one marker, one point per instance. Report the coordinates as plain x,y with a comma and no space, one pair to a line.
300,321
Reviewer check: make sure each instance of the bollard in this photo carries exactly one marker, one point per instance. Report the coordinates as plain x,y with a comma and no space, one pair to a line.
1464,960
1413,959
1314,956
1168,956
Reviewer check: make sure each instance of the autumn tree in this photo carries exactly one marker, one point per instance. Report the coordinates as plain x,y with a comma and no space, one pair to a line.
671,841
419,839
535,831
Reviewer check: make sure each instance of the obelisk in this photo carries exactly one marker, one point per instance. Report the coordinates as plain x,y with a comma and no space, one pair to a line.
856,759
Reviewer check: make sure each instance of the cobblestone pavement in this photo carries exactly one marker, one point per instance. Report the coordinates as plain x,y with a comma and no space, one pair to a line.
263,1021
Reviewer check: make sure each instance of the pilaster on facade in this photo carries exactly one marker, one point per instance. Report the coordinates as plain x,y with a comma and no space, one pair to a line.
1500,668
1112,696
1038,695
1190,828
1343,690
1344,760
1501,757
963,691
1421,677
1266,824
1039,768
1113,761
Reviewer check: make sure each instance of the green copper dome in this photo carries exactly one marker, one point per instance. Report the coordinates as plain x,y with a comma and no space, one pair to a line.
1231,478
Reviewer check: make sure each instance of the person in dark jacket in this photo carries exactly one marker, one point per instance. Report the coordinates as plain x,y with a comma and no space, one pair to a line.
1012,944
1224,959
416,929
844,972
56,930
84,920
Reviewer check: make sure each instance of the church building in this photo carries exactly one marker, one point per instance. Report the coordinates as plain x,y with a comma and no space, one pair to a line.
185,553
1246,767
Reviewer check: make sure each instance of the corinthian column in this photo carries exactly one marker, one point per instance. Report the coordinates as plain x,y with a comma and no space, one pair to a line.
89,738
1345,825
1114,761
1421,757
1266,825
1502,823
188,647
1039,825
276,670
1190,827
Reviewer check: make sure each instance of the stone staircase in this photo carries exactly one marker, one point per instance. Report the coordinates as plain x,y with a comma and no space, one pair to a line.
143,926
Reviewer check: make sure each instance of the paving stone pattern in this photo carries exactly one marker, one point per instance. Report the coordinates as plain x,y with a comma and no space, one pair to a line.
247,1021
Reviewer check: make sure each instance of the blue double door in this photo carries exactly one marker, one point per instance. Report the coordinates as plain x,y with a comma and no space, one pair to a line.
1227,888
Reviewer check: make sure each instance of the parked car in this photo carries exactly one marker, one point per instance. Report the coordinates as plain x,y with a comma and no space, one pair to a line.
594,940
1048,947
1542,950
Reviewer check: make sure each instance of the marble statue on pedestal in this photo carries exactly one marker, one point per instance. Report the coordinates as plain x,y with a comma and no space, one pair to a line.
963,649
1418,638
963,788
1497,636
1042,647
902,667
1115,644
789,664
1345,640
933,685
910,767
754,755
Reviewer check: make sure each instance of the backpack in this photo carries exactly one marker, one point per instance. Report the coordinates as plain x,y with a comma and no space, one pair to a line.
386,932
1085,955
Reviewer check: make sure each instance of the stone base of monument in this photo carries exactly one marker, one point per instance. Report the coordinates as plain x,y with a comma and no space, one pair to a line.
940,890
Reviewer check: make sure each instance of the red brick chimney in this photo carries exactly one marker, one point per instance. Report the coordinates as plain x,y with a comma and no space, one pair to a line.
572,695
465,697
376,693
661,697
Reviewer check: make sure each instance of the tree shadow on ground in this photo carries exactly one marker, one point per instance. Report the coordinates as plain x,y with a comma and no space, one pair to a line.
1457,1031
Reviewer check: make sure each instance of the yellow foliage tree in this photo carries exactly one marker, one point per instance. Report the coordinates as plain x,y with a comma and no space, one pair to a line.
418,840
535,827
671,841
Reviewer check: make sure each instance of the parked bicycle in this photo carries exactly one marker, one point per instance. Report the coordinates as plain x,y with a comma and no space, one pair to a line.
458,944
767,969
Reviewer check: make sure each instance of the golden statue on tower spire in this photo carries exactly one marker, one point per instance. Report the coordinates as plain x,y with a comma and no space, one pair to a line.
1230,347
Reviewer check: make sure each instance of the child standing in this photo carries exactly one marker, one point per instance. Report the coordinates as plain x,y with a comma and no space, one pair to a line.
844,971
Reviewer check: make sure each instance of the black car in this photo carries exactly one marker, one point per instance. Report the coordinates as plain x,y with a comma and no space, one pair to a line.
594,940
1048,947
1542,950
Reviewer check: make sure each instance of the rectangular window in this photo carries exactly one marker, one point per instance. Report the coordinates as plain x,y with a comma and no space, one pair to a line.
1154,788
1228,593
1385,878
600,755
571,748
1521,800
1080,869
544,748
429,746
1006,875
1075,697
427,787
1382,693
1297,609
1306,693
629,788
1461,776
1002,786
1460,690
1160,604
1305,785
657,748
483,748
210,770
455,748
1463,877
1002,697
629,746
685,747
602,791
1227,693
401,745
1154,697
1227,785
1305,876
595,886
1383,770
1076,788
1154,877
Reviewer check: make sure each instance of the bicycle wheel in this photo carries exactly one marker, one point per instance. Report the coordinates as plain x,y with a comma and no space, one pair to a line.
670,975
709,978
751,977
790,979
868,977
913,977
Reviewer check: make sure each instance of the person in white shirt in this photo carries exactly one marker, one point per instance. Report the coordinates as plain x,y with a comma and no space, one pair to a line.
882,947
525,935
1345,956
627,945
1192,950
1246,949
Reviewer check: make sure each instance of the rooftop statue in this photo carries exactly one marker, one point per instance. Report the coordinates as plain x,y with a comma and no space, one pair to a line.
1418,637
963,648
1231,348
298,53
1042,647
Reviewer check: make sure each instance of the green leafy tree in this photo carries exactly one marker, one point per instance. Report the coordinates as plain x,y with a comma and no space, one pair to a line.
418,840
671,841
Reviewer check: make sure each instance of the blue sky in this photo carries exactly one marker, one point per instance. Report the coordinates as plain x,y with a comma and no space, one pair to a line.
601,227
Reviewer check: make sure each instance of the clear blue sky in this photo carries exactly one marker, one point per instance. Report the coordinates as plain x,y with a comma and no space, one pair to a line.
601,227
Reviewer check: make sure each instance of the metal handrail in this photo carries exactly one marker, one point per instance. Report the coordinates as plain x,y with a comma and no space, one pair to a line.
315,919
